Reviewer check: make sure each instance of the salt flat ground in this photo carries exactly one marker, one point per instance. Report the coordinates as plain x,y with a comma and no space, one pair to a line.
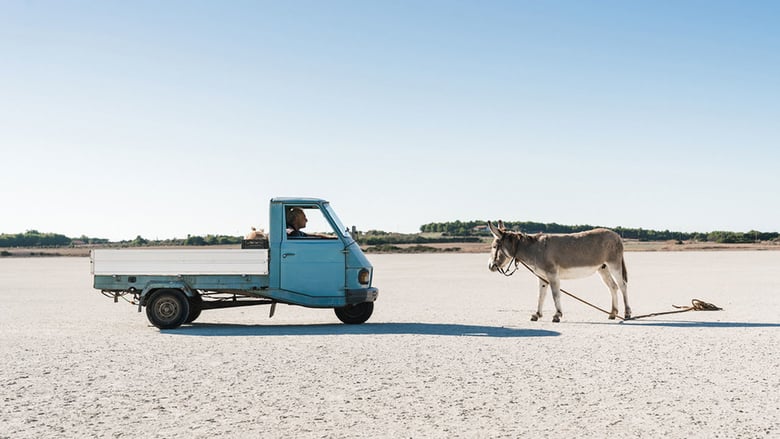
449,352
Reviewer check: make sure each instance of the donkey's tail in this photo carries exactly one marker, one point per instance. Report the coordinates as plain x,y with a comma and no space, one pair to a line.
625,273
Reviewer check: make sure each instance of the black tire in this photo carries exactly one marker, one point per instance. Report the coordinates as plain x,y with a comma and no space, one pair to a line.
168,309
196,306
355,314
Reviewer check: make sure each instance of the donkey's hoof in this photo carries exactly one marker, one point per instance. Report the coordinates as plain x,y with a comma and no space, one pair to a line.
612,316
556,319
534,317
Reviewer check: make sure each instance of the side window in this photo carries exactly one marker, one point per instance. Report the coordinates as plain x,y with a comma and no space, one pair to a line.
307,222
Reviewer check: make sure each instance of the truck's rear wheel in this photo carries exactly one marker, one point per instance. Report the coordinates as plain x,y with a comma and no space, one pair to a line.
168,309
196,306
355,314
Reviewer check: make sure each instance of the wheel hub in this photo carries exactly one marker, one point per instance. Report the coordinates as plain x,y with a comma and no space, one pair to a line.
167,309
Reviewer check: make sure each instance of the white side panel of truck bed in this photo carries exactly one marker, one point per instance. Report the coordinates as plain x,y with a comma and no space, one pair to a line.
179,261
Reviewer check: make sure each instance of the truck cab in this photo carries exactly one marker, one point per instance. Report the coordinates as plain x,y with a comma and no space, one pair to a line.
320,264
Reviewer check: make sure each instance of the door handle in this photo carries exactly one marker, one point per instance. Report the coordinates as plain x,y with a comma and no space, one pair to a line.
284,255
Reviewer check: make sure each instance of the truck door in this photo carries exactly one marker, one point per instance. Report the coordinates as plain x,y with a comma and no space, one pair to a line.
312,257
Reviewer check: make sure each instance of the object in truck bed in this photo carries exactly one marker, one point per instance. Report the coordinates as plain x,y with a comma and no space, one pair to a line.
260,243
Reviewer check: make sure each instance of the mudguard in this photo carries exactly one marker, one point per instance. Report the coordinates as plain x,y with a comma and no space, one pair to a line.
158,285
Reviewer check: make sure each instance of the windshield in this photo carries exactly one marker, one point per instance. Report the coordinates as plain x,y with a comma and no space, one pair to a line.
343,230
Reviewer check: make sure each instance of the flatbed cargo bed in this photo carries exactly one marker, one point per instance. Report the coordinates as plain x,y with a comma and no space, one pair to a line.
174,262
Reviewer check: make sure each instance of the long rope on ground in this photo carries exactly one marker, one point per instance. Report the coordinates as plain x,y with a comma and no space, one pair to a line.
696,305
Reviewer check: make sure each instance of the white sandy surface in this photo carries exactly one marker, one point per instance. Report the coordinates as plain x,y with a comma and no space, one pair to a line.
449,352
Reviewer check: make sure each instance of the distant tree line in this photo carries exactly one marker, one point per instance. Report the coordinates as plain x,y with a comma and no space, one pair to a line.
34,238
448,232
379,238
192,240
389,248
479,228
212,240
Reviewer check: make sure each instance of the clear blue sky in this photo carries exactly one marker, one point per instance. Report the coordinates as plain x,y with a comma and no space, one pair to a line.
162,119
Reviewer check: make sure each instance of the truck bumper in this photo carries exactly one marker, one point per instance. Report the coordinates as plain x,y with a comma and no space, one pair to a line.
362,295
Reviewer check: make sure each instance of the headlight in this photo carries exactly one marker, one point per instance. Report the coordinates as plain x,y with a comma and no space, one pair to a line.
364,276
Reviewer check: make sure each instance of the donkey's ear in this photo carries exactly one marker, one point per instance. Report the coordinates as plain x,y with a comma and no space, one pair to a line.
497,232
501,225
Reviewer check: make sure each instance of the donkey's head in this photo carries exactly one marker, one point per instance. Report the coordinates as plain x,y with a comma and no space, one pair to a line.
499,249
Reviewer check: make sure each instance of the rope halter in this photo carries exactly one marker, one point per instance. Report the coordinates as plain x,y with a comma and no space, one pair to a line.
500,248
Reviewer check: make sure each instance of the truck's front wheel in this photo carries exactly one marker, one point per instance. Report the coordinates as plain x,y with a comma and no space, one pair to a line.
355,314
168,309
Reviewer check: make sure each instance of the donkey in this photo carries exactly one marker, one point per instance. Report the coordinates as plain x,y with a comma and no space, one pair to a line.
563,256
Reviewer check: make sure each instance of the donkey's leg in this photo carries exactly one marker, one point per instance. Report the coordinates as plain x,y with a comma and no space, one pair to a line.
555,287
623,283
624,289
618,272
604,272
542,295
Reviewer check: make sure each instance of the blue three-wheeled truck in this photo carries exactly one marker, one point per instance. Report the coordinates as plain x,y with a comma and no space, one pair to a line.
316,270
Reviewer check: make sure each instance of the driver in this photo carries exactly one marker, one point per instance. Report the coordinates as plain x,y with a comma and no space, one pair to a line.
296,220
